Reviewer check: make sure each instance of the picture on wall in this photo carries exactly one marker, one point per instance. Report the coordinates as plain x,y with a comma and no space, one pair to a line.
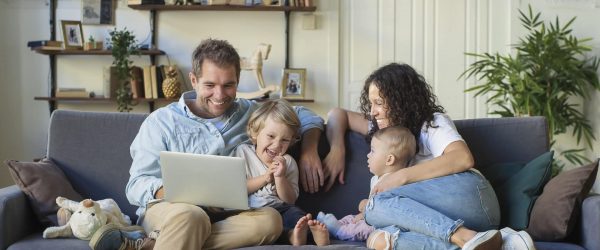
293,83
72,34
98,12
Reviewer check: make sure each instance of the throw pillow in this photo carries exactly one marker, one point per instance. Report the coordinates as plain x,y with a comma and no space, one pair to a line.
42,182
517,186
557,210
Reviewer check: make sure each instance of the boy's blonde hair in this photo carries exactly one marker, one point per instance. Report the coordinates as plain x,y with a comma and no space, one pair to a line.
280,111
401,142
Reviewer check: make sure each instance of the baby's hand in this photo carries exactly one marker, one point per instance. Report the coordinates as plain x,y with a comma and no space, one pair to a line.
359,217
278,166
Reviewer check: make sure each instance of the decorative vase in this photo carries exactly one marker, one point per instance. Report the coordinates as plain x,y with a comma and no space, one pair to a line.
171,86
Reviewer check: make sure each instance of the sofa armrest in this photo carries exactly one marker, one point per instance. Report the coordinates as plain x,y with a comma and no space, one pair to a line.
590,222
16,217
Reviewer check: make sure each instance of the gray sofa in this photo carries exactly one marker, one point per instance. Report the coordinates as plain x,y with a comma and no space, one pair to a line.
93,151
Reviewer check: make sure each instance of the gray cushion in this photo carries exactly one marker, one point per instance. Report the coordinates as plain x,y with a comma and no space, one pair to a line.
557,210
92,149
42,182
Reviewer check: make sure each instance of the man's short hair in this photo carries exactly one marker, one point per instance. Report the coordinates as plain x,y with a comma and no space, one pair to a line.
219,52
401,142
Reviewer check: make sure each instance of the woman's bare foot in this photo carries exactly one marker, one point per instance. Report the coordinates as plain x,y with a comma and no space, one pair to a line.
298,235
319,232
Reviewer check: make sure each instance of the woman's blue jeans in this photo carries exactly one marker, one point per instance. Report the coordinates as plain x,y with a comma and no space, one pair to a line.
423,215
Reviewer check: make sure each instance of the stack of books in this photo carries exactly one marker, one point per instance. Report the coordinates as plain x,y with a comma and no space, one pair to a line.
72,92
45,45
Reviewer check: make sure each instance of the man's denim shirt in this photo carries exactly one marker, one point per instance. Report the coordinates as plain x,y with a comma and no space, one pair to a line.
176,128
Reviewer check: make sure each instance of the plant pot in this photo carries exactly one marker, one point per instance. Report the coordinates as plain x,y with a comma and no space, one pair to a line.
92,46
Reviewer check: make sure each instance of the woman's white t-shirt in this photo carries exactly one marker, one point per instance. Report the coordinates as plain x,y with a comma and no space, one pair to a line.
434,140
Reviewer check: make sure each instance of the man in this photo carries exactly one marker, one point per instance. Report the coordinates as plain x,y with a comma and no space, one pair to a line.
208,120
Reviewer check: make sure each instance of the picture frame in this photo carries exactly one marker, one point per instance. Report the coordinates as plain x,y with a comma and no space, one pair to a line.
293,84
72,34
273,3
98,12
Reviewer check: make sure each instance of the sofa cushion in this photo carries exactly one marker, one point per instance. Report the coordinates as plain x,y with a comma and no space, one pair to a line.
42,182
557,210
517,187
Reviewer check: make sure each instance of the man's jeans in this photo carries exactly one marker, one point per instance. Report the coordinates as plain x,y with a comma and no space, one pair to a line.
423,215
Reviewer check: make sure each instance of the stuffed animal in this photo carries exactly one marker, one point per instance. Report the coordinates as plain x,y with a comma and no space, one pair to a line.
82,219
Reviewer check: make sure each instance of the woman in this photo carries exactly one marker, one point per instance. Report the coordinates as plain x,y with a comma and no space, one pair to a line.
440,202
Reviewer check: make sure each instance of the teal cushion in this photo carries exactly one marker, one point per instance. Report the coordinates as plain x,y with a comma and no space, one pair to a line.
517,187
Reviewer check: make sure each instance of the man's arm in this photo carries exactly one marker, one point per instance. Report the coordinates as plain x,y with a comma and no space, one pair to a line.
144,181
311,171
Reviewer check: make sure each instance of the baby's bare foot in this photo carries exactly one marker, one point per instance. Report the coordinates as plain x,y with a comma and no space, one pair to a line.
298,235
319,232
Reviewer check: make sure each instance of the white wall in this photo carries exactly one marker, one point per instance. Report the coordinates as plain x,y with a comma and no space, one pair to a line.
23,75
586,25
352,39
432,36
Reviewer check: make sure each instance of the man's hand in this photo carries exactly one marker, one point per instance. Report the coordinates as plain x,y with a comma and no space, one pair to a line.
333,168
278,166
311,172
160,193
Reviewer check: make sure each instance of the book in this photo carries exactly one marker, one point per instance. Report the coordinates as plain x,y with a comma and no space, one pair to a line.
47,48
154,81
71,92
137,82
40,43
147,82
160,77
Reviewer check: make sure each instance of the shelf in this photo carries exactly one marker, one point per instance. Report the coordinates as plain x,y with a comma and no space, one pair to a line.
222,7
102,99
91,52
97,99
299,100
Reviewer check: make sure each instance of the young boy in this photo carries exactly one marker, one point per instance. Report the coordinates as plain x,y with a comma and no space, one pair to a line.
273,175
392,148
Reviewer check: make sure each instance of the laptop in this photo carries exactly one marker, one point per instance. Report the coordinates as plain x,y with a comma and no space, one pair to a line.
204,180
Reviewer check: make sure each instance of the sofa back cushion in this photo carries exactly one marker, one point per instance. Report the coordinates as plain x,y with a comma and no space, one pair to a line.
492,141
92,149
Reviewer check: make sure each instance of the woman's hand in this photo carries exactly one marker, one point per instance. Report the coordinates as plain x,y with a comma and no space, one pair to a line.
390,181
333,168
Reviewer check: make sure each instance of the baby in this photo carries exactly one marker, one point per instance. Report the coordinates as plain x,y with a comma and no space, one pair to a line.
392,148
272,175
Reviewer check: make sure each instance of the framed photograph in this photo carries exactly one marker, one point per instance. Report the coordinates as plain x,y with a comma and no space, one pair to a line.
293,84
73,34
98,12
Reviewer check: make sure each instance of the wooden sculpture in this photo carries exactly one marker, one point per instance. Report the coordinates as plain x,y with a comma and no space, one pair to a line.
254,64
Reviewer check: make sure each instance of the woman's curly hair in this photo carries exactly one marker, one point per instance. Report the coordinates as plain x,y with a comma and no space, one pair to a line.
410,100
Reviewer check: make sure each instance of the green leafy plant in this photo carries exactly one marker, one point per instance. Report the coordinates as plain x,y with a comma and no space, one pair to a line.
548,73
123,46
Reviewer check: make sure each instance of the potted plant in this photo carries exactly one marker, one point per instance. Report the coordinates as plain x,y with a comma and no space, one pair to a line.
547,75
123,45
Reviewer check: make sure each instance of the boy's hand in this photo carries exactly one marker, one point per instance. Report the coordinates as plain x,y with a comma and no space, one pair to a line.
269,176
278,166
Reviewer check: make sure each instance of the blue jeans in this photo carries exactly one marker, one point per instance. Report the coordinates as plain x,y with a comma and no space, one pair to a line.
423,215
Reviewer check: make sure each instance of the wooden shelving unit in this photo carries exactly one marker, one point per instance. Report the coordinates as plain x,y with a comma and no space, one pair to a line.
103,99
52,100
222,8
91,52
